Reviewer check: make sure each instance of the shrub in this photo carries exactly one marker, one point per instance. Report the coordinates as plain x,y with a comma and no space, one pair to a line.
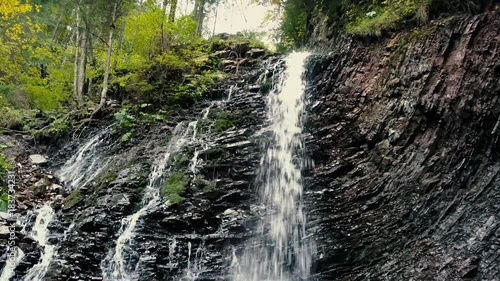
124,119
175,187
11,118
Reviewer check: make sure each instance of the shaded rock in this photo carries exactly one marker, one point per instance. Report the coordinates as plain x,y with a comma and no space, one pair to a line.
255,53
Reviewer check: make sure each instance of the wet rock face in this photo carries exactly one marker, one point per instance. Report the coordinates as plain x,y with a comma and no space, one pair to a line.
196,235
404,134
170,239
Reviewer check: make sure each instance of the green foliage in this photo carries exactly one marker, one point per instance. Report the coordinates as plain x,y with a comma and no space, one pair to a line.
153,117
385,16
294,23
4,202
11,118
4,167
175,187
223,122
127,136
195,86
124,119
362,17
57,128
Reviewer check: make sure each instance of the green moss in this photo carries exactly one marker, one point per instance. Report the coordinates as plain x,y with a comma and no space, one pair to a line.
175,187
223,122
108,177
214,152
72,199
372,20
204,185
210,187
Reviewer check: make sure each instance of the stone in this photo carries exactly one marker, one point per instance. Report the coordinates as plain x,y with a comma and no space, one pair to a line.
4,215
255,53
38,159
4,232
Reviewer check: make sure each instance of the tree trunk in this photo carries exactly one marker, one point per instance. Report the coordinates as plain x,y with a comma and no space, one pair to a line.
82,66
104,92
56,28
68,46
215,19
173,8
200,16
119,45
75,65
91,60
162,39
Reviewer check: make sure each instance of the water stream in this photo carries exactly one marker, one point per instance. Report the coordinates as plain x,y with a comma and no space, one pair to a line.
116,267
79,170
86,163
280,251
40,233
8,270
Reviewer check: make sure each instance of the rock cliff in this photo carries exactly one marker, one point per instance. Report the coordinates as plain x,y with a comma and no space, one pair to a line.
403,133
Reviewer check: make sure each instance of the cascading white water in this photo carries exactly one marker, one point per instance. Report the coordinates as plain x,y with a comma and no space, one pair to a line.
115,268
194,267
40,234
194,160
86,163
80,169
280,252
8,270
12,262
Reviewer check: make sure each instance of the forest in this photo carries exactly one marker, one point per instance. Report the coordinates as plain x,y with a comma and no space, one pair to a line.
60,55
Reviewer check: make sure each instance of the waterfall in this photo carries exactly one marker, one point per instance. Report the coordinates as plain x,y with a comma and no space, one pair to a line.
115,267
40,234
79,170
194,160
86,163
195,267
12,262
8,270
280,251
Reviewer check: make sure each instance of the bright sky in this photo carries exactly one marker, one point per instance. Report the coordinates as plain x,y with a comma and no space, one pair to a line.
233,16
